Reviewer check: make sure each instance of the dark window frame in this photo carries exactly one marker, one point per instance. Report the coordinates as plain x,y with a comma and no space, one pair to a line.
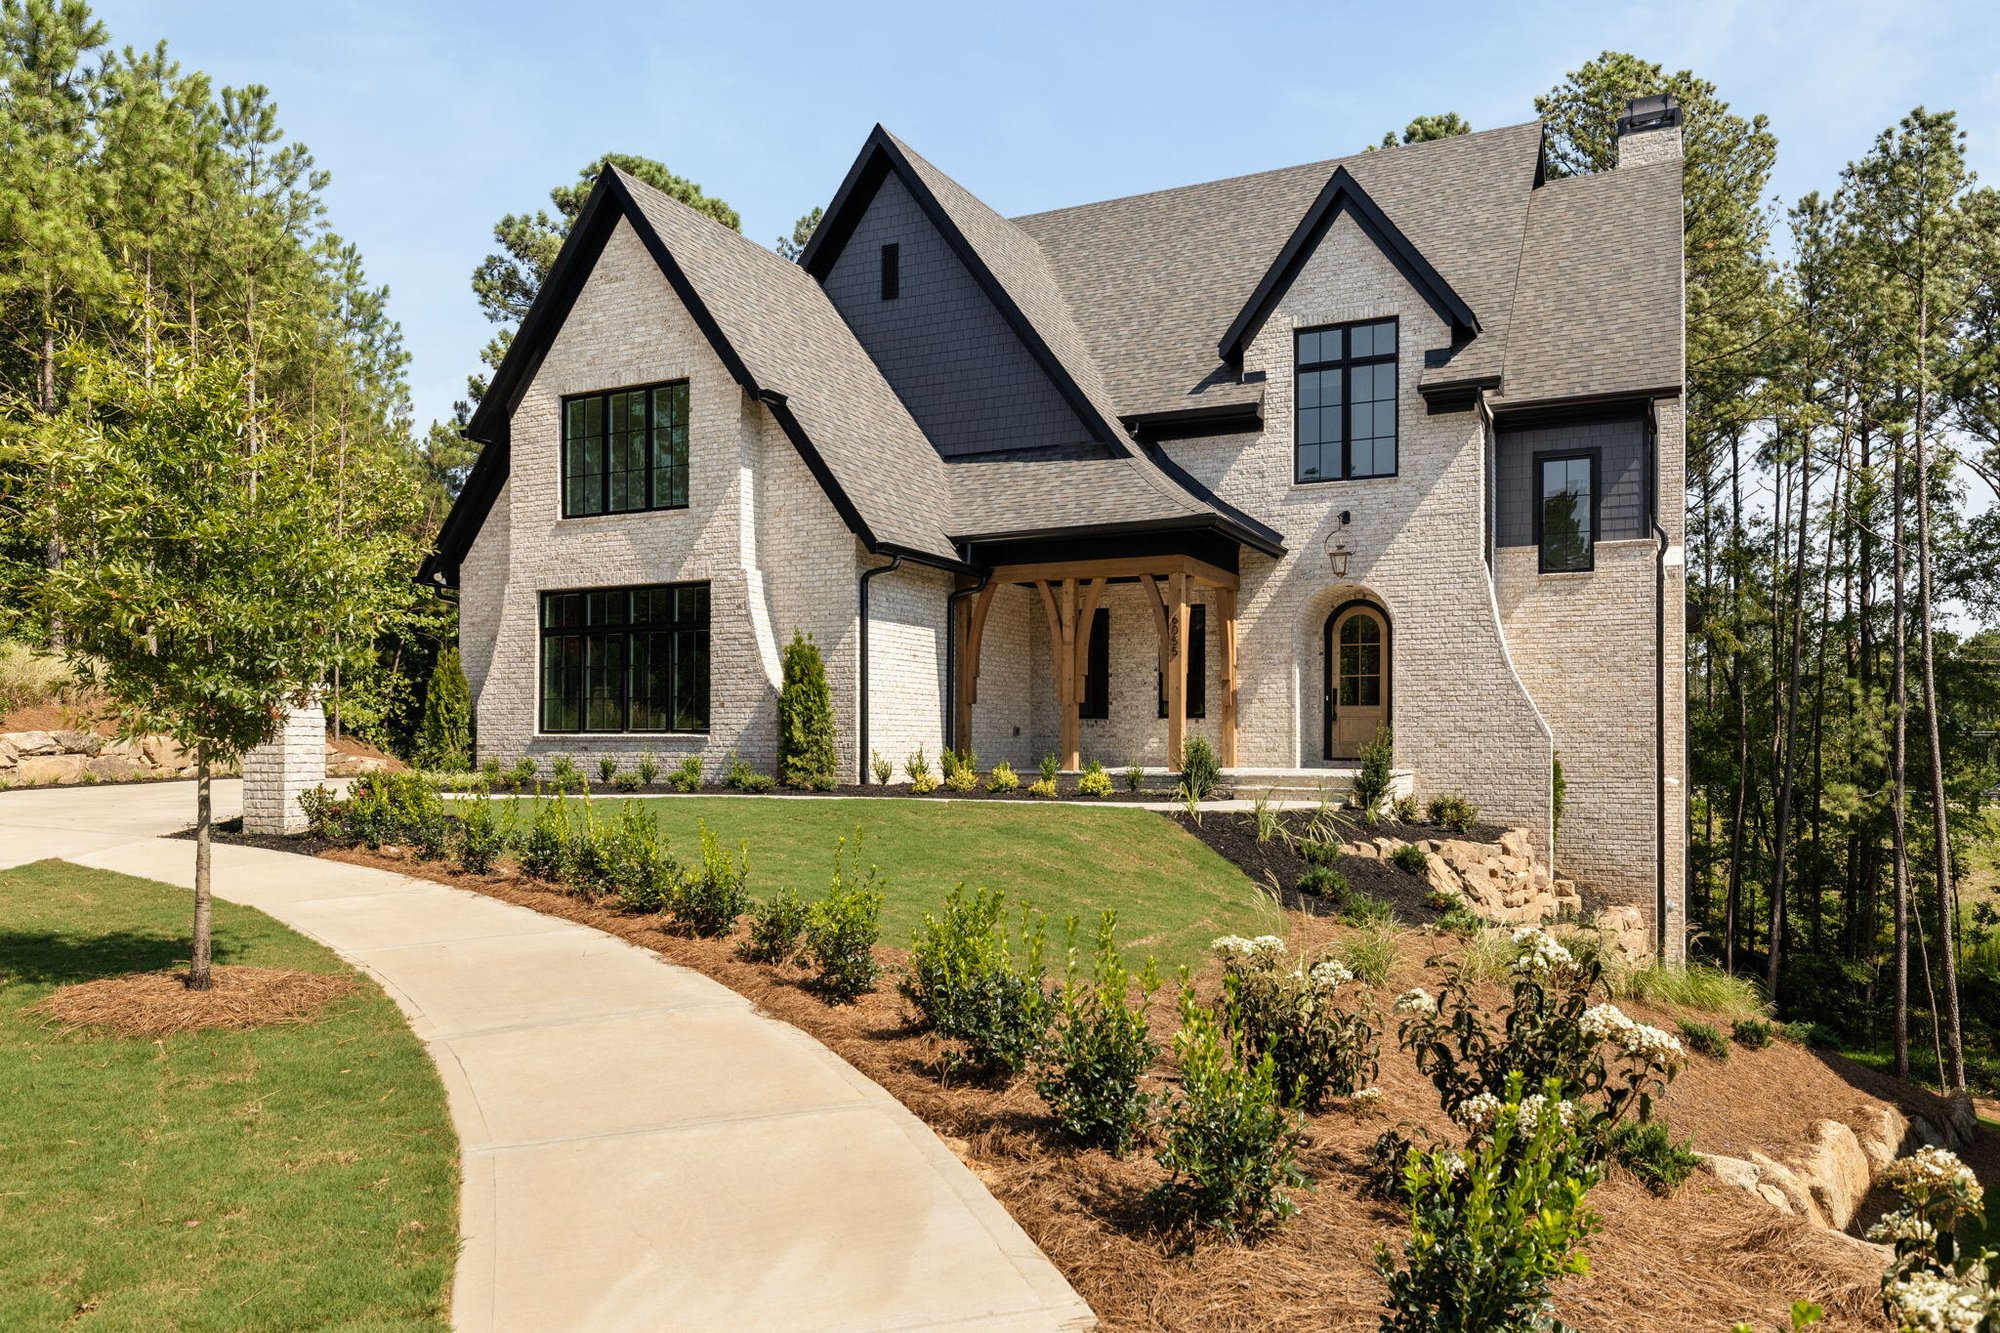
892,271
1346,365
603,443
1095,705
1196,665
629,631
1594,457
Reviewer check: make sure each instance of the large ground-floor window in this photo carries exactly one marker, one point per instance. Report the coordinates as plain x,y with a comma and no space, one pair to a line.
626,659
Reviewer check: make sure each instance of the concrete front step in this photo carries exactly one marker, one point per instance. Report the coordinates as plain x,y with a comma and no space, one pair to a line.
1334,784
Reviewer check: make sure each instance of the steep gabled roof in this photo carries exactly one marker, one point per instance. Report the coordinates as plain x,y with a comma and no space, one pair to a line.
1156,279
778,336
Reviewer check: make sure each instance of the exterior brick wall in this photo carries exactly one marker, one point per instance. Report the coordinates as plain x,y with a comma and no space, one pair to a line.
758,529
1014,673
276,772
906,652
1463,719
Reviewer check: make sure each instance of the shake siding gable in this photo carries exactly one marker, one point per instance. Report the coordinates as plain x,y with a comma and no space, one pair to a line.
753,509
951,357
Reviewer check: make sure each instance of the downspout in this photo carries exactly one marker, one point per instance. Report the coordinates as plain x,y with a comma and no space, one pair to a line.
861,750
1659,683
952,739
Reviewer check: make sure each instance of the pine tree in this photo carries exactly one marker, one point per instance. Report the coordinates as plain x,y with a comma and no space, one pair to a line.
805,718
444,737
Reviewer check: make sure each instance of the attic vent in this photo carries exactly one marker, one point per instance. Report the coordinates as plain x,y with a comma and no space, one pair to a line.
892,277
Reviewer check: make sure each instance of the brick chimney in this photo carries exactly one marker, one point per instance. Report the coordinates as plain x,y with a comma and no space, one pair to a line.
1649,131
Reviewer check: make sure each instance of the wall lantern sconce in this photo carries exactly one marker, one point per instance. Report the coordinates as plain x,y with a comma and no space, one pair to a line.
1336,546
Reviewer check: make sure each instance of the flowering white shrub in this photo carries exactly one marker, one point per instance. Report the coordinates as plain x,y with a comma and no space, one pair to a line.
1934,1285
1924,1302
1330,974
1367,1097
1416,1000
1292,1013
1541,953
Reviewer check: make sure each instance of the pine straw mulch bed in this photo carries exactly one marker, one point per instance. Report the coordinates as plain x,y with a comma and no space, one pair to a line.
155,1004
1698,1260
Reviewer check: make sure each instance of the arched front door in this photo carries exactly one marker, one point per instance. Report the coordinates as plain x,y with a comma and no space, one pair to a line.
1357,678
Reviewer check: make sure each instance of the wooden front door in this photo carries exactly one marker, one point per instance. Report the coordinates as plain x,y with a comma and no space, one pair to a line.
1357,678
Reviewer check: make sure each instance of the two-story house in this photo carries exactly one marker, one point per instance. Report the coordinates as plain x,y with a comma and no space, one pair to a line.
1393,440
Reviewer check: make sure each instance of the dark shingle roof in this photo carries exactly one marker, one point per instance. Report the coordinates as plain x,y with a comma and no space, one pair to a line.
1598,309
1157,278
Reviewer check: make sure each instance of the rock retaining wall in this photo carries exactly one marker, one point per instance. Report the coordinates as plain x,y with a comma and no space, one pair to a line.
66,758
1503,882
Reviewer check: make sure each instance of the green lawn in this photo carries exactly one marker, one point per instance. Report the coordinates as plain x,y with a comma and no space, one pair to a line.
289,1177
1172,893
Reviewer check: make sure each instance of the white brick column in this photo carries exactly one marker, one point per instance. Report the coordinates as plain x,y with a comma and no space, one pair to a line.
274,773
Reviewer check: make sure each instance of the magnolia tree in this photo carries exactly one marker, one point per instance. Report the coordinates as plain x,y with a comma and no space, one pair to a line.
203,583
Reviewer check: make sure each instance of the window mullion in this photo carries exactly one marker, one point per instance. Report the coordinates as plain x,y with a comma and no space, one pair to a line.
646,443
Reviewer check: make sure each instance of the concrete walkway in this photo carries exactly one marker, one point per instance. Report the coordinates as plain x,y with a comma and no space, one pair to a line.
642,1148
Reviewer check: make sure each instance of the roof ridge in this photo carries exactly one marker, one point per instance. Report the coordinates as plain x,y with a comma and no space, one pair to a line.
1328,164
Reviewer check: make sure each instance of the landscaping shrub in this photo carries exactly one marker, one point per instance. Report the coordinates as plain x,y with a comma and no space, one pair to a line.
563,771
642,873
1752,1034
775,927
545,847
970,982
1265,819
1002,778
522,775
607,767
759,783
1377,771
1050,768
1091,1067
481,838
444,733
1365,909
805,718
1229,1148
885,768
1648,1150
922,781
841,929
648,768
686,775
1405,810
1453,812
1201,771
1559,789
1492,1227
1044,787
1550,1032
1323,882
1135,778
590,859
326,814
492,773
628,782
1410,859
1094,781
961,771
1945,1274
1695,986
1291,1013
1319,851
1371,951
1457,919
1704,1039
708,901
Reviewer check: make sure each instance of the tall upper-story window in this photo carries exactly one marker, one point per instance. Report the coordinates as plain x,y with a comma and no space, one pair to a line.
1565,511
1346,402
626,450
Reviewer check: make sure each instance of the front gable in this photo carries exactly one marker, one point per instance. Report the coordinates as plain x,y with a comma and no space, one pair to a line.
961,367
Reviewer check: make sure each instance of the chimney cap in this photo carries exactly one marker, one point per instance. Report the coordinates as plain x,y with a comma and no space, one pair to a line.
1659,111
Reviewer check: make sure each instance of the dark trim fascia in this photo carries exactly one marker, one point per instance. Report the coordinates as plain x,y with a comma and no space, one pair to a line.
1189,423
1343,191
1600,406
1456,395
468,512
1110,541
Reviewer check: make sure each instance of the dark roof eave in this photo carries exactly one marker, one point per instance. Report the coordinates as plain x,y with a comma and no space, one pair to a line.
1342,190
1504,407
1273,545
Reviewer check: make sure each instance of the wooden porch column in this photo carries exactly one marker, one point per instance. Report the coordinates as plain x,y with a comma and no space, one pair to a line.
1072,726
1225,603
1093,592
1177,651
968,670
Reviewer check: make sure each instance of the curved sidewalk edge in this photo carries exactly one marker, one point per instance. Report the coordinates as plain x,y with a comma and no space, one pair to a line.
642,1148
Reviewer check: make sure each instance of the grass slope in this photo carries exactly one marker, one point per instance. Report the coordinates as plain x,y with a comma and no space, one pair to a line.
288,1177
1172,894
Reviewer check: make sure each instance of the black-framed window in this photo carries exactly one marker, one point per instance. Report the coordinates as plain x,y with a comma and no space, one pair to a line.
625,450
892,271
1096,701
1197,665
1565,511
1344,405
626,659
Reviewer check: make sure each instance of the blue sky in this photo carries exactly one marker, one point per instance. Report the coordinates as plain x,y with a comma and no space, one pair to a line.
437,118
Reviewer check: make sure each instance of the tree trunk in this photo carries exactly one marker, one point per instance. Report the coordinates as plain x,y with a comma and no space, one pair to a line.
1789,721
1899,775
198,969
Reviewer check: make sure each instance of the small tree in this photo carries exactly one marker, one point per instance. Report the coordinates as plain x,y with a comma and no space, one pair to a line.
203,586
805,717
444,736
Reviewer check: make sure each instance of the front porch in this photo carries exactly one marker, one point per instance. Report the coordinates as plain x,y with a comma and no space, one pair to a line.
1070,593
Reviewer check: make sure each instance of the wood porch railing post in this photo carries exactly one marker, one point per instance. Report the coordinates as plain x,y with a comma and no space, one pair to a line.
968,671
1225,602
1072,727
1177,654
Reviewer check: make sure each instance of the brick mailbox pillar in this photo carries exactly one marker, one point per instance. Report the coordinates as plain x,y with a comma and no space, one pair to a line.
275,772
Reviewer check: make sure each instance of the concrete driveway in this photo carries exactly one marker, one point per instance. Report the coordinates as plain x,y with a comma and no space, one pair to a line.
642,1149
